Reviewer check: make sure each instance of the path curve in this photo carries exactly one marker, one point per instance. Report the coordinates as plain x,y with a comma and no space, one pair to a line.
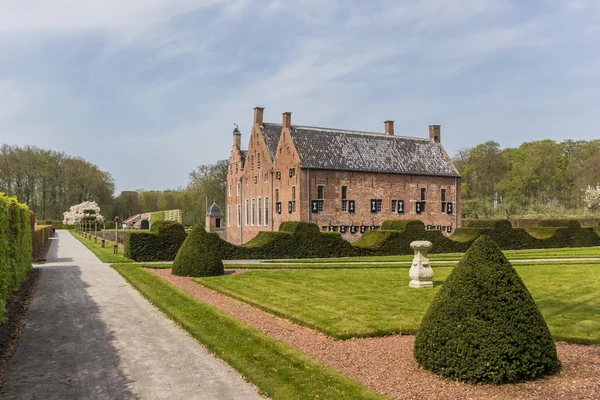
89,335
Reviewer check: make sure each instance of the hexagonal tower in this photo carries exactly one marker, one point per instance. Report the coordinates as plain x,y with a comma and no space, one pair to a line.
215,221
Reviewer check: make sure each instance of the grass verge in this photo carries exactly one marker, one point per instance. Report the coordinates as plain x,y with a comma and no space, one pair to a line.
278,370
362,302
579,252
105,254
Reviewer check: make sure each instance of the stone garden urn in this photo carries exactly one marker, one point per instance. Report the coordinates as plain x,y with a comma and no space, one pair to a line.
420,271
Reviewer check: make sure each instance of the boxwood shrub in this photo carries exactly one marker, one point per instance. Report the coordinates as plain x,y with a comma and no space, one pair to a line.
198,256
161,245
483,325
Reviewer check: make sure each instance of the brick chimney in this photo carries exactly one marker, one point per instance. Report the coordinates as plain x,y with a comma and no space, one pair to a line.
287,119
258,115
237,139
389,128
434,133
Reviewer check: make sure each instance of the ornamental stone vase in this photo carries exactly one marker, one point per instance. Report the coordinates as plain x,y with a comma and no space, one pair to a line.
420,271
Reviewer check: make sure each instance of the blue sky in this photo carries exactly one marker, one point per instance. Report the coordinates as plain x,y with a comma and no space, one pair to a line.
149,89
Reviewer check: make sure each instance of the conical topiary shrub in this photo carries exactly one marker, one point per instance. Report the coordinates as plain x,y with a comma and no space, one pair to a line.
198,255
483,326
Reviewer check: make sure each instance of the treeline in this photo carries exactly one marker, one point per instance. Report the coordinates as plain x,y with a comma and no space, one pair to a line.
541,178
207,184
50,182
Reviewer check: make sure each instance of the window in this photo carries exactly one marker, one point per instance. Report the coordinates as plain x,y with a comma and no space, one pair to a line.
246,181
375,205
258,161
293,199
239,188
253,212
266,178
443,200
344,198
420,207
276,195
229,214
393,206
423,194
252,158
230,169
247,213
278,175
239,215
259,212
218,223
266,211
255,179
320,192
236,168
230,190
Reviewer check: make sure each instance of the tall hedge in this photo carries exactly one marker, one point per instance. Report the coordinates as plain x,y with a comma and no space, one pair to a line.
198,256
15,248
159,245
483,326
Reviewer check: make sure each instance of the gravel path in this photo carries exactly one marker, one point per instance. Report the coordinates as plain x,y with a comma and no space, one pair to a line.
387,365
89,335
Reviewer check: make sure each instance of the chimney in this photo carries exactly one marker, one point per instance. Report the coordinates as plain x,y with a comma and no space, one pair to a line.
287,119
237,139
434,133
258,115
389,128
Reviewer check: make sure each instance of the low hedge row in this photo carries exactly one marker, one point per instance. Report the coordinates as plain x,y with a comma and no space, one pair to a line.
15,248
160,245
40,234
305,240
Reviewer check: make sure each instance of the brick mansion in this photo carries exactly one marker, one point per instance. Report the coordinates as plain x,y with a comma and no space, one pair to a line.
344,181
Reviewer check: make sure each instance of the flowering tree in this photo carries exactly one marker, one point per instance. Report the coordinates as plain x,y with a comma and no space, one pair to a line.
591,197
88,211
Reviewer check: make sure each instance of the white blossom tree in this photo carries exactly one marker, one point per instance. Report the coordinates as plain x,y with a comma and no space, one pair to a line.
591,197
78,212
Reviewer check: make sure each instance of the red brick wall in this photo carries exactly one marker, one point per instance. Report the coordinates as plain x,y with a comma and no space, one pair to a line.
362,187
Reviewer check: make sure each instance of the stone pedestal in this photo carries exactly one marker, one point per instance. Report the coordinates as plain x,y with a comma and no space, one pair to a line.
420,271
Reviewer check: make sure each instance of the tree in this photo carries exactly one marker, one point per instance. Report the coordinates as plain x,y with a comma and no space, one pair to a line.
483,325
198,255
591,198
87,211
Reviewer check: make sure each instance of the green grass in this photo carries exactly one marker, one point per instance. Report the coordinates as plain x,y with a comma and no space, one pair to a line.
579,252
362,302
278,370
105,254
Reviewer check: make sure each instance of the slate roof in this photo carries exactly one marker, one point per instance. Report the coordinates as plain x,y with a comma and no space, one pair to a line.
335,149
214,211
271,134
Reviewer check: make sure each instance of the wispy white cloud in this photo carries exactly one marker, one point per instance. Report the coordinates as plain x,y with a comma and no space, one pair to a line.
170,77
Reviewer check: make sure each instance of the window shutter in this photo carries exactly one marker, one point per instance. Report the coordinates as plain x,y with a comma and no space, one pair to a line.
314,206
400,206
373,205
290,207
351,206
278,207
449,207
290,172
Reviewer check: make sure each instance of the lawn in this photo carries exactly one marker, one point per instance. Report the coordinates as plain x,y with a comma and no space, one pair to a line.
105,254
577,252
279,371
368,302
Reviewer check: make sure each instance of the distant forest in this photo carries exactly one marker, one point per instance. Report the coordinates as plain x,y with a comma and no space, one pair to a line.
542,178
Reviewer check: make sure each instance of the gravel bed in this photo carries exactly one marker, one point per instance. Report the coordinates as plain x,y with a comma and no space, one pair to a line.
387,365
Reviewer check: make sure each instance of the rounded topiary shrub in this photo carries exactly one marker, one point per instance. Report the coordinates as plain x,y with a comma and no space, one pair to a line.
198,256
483,326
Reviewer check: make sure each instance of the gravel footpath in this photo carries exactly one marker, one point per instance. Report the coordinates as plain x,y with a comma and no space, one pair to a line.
89,335
387,364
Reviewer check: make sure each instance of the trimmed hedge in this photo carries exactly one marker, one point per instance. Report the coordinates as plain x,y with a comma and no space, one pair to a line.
161,245
198,256
61,225
15,248
483,325
39,236
305,240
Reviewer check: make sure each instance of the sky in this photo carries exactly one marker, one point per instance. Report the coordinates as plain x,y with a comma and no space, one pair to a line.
150,89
